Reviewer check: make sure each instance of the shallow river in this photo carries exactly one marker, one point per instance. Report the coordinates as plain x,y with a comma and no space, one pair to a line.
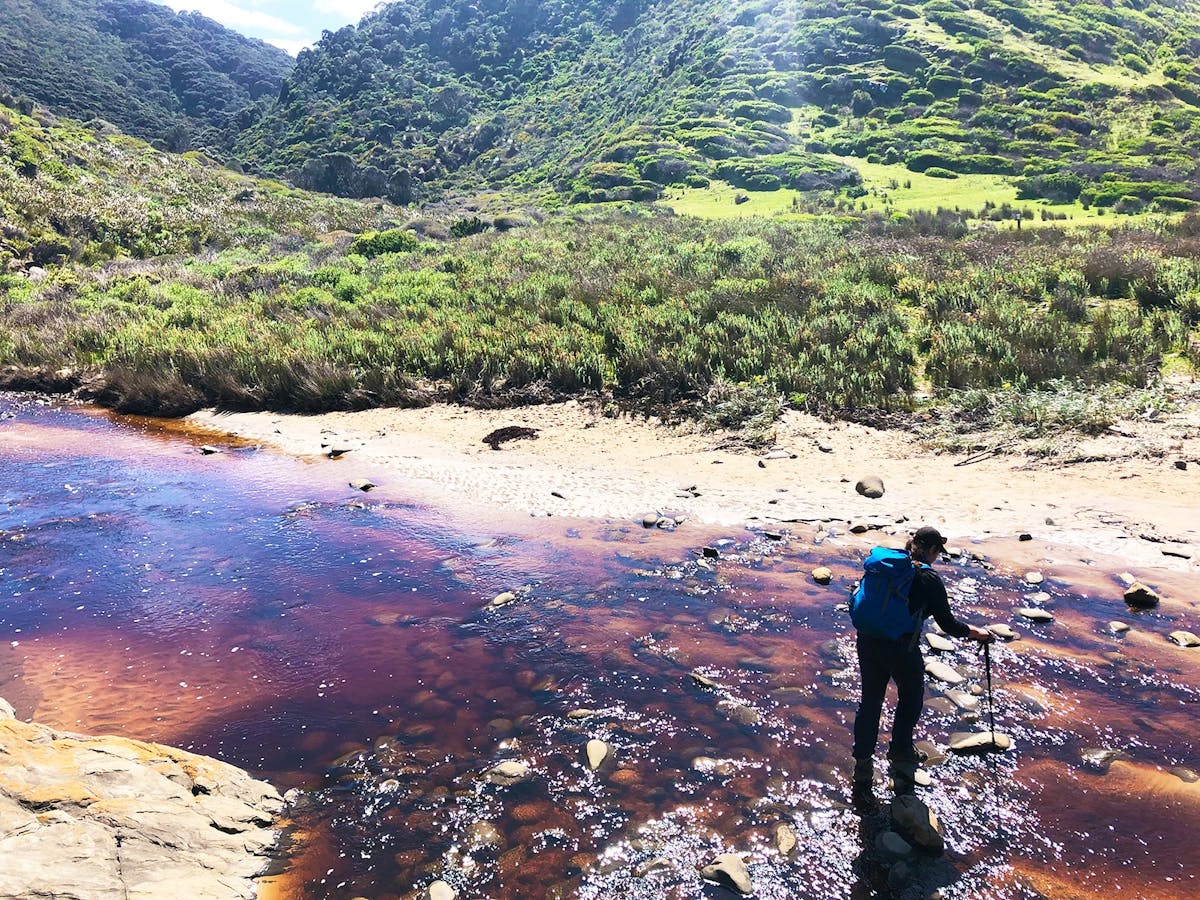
256,608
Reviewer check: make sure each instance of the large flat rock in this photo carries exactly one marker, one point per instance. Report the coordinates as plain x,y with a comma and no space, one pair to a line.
93,818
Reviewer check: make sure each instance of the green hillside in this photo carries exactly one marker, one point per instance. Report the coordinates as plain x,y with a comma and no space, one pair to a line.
179,80
1079,103
69,193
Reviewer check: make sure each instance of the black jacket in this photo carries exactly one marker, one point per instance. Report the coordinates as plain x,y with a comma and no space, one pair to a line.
928,595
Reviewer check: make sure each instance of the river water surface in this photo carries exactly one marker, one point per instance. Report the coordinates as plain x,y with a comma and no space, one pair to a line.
254,607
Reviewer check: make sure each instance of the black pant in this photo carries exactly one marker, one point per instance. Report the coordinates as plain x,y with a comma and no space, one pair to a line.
878,662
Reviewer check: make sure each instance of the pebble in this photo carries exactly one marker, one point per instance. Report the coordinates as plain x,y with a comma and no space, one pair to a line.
1098,759
597,753
1185,639
581,713
780,454
740,712
939,643
939,671
1003,632
1117,627
1024,536
1034,577
1035,615
362,484
729,870
439,890
504,598
822,575
1141,596
650,520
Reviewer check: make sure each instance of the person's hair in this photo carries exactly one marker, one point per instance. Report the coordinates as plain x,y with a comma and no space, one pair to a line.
908,546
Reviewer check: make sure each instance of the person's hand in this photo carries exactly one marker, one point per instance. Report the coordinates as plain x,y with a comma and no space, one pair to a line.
980,634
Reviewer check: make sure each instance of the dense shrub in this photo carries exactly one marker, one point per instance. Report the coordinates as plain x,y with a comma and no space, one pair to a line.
373,243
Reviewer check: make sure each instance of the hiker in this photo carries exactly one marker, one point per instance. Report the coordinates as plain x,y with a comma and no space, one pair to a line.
899,590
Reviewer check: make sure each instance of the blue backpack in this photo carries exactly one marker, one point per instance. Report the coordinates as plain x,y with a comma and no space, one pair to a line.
879,607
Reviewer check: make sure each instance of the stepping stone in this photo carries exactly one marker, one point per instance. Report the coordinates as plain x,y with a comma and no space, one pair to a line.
1003,632
822,575
439,890
209,450
785,838
918,823
1117,627
1035,615
964,701
703,680
362,484
729,870
503,599
1185,639
938,643
581,713
597,753
979,742
939,671
508,773
1141,596
1034,577
891,844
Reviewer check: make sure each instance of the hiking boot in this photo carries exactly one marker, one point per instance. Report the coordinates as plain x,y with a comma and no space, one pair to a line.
910,755
862,794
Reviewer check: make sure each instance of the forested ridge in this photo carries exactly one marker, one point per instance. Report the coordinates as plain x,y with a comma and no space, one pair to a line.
178,79
592,101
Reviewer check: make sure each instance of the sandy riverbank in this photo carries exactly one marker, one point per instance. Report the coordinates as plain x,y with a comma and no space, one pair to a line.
1134,503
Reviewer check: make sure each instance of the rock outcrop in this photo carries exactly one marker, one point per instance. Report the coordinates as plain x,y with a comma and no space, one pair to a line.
94,818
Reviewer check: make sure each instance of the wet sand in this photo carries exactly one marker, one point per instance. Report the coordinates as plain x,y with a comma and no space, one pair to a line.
1131,503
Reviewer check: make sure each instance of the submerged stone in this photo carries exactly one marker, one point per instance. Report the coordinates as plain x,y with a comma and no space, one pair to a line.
785,838
439,890
508,773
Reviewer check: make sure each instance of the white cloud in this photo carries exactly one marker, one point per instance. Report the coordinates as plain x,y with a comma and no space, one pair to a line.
352,10
234,16
292,47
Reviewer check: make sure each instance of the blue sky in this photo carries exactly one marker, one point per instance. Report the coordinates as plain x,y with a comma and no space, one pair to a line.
290,24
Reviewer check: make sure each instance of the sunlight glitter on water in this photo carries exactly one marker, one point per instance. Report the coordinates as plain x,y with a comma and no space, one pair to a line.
255,608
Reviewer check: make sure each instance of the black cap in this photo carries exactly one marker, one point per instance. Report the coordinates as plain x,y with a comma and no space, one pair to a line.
928,536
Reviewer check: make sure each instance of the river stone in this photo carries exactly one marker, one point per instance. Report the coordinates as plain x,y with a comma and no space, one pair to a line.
918,823
6,710
979,742
939,671
785,838
1141,596
1098,759
581,713
439,890
484,834
597,753
504,598
1117,627
1034,577
209,449
709,766
1185,638
703,680
822,575
922,778
1003,632
1035,615
729,871
963,700
650,520
892,845
110,817
871,486
740,712
938,643
508,773
362,484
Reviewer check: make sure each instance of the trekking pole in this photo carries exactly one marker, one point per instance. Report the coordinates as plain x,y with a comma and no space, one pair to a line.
987,667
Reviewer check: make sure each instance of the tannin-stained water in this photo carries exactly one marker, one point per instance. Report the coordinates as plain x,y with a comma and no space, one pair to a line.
255,608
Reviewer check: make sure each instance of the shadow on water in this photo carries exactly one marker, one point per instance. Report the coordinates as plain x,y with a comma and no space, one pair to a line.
255,608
